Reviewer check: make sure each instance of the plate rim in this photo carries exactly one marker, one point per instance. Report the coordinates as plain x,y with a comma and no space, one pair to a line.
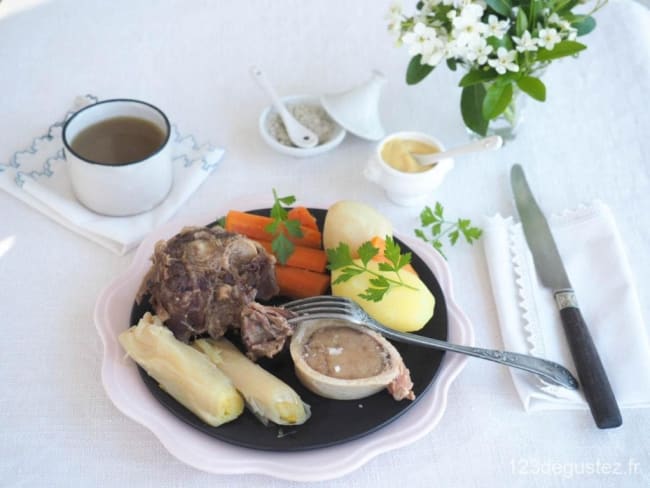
206,453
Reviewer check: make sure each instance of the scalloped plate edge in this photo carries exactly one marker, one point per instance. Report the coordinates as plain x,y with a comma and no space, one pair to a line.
126,390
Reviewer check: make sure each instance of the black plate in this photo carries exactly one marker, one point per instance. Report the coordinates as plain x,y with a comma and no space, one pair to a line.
332,421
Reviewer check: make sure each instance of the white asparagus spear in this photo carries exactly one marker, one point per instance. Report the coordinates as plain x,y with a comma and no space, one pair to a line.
268,397
182,371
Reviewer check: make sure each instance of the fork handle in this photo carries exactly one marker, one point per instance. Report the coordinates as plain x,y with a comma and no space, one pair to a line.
550,371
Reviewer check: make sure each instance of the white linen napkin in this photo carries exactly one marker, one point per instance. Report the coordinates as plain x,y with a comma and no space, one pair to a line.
38,176
592,252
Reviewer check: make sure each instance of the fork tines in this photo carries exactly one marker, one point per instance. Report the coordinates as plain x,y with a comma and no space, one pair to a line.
324,306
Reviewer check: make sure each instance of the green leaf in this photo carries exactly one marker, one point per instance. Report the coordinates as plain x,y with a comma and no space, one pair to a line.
584,24
427,217
417,71
452,64
561,49
438,247
392,252
436,229
339,257
282,248
404,259
289,200
293,228
379,288
565,6
496,100
471,105
272,228
347,273
419,233
453,237
476,76
472,234
521,24
533,87
373,294
439,211
366,252
503,7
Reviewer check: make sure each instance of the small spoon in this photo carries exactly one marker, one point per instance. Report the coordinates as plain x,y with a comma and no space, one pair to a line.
485,144
300,135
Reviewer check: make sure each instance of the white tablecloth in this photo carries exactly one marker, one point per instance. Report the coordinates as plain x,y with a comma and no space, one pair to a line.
589,140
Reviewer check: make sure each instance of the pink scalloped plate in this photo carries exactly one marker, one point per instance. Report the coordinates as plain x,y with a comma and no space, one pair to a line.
130,395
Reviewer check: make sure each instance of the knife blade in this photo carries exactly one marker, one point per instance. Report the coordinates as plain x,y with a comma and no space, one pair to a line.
548,263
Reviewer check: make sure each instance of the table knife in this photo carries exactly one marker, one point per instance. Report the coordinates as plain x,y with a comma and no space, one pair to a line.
591,373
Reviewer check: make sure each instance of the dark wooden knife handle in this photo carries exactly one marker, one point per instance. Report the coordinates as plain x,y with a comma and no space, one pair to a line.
591,373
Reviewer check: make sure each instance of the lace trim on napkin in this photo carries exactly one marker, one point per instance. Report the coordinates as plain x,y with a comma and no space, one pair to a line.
525,280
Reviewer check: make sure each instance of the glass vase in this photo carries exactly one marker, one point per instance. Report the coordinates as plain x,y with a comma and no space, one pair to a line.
509,122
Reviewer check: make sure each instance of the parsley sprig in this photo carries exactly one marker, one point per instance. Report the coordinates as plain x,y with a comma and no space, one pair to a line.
281,226
441,228
341,258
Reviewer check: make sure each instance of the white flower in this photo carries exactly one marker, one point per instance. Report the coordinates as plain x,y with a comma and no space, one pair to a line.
478,51
563,24
468,25
496,27
472,10
394,10
419,39
525,42
435,53
454,50
505,61
548,38
394,17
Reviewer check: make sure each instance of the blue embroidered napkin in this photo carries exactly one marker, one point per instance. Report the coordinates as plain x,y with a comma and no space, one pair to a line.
38,176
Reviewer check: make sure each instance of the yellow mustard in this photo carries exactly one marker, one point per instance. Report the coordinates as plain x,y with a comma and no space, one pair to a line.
396,153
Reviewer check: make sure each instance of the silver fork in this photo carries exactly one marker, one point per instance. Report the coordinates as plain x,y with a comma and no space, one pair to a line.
342,308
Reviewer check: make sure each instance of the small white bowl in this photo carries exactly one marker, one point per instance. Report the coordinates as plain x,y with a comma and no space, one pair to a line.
407,189
297,152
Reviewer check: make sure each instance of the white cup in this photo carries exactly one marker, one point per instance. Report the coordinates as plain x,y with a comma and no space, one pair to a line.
124,189
402,188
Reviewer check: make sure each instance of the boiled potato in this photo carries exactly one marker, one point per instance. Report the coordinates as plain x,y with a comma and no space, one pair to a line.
353,223
401,308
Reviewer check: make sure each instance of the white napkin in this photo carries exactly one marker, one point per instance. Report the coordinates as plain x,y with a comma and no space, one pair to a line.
591,249
38,176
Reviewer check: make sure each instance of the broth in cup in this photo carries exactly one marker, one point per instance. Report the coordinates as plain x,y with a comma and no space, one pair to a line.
118,156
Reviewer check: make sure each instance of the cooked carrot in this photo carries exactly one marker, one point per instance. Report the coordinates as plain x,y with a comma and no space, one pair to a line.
303,257
253,226
304,216
300,283
380,244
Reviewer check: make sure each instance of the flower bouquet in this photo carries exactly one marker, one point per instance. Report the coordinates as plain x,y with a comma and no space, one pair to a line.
504,45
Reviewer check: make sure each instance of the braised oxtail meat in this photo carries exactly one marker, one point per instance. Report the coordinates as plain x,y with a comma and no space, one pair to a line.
264,330
202,278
